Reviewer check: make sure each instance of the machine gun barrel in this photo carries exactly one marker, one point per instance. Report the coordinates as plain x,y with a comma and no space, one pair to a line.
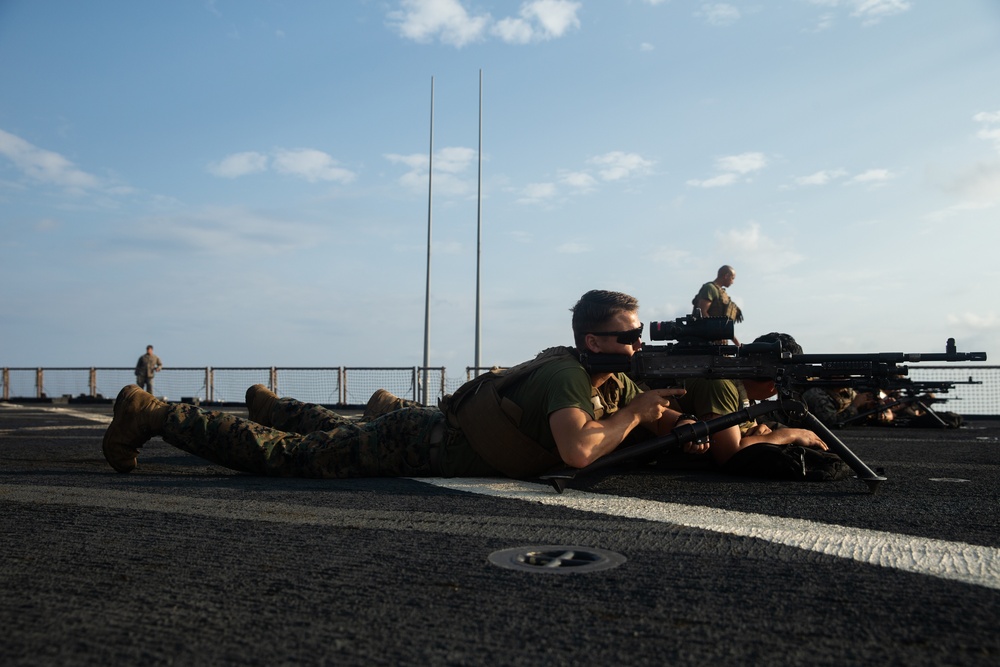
886,357
658,365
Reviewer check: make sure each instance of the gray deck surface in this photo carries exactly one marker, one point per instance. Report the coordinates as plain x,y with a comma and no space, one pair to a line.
182,562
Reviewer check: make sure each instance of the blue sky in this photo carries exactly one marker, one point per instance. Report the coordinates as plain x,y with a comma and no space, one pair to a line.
245,182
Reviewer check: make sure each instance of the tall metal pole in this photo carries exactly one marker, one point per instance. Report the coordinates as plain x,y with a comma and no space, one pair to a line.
479,228
427,297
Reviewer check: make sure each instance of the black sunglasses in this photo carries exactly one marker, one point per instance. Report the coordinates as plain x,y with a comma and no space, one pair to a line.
629,337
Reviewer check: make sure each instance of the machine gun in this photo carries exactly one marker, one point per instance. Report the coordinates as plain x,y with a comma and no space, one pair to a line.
906,392
694,355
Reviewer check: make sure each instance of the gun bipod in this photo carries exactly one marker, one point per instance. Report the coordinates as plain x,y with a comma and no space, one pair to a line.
865,474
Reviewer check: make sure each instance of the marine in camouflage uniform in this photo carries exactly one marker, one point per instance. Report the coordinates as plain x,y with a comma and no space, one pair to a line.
832,406
308,440
146,367
504,426
394,438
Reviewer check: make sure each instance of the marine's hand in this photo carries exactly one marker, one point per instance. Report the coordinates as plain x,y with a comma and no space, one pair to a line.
650,405
696,447
699,446
759,429
803,437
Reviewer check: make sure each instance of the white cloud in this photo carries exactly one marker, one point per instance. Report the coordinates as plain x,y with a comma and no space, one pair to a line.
514,31
310,164
423,20
732,168
610,167
869,12
239,164
722,180
451,23
307,163
232,231
978,187
976,321
616,165
748,245
539,21
452,160
45,166
719,13
573,248
413,161
743,163
536,193
823,22
962,208
449,165
521,236
579,180
989,133
872,11
821,177
987,117
455,159
646,47
980,183
872,177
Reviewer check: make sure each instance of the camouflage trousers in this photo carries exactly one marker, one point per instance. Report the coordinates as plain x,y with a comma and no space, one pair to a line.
309,440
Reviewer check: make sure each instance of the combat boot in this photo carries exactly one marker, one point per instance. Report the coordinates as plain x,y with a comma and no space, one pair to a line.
260,402
138,416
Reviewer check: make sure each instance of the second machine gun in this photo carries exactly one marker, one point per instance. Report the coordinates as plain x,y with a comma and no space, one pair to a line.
904,392
695,355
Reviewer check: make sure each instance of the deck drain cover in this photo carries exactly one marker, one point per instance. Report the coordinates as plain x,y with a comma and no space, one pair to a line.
557,559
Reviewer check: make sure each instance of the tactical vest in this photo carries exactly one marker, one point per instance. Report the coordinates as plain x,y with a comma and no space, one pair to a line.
490,422
724,306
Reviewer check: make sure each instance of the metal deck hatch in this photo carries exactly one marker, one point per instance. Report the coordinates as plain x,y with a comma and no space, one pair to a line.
557,559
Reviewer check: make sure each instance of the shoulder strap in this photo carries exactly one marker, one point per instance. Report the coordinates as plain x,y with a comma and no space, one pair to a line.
503,377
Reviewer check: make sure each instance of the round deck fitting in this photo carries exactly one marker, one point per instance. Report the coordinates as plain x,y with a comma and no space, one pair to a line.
557,559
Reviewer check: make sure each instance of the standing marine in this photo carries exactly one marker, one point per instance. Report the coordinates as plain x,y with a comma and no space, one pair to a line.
147,366
713,300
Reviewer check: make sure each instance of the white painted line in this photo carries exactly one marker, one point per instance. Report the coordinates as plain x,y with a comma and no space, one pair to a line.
956,561
88,416
70,427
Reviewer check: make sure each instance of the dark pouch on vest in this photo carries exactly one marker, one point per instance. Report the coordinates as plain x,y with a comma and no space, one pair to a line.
492,432
791,462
